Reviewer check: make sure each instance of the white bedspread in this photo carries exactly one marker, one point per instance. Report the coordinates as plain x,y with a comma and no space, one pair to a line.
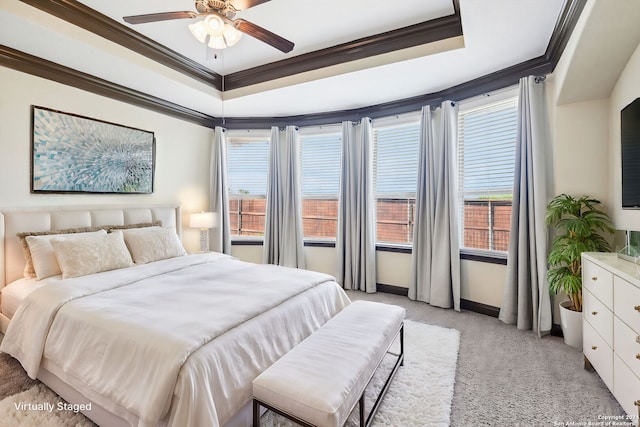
144,338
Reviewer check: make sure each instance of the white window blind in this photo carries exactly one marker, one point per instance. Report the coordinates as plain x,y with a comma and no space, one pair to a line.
320,157
486,156
395,179
248,166
486,149
396,160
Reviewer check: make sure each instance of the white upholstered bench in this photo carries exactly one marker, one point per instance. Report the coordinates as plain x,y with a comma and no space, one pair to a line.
320,381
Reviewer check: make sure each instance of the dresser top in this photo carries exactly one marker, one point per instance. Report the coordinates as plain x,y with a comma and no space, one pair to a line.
618,266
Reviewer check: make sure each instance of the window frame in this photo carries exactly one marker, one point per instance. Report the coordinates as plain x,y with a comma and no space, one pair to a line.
311,132
509,94
249,135
408,119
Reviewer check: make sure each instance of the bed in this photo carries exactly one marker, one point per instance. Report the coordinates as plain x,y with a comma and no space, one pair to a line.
174,341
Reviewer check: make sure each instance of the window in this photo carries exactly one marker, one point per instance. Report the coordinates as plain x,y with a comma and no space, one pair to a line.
486,157
320,156
248,166
395,178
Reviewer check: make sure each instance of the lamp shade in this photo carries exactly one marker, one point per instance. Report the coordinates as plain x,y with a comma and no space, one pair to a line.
202,220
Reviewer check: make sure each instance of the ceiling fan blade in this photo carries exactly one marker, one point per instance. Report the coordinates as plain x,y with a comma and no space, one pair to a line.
154,17
246,4
263,35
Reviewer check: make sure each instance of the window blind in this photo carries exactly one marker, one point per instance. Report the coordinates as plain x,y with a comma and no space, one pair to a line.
248,166
486,149
320,157
486,159
396,160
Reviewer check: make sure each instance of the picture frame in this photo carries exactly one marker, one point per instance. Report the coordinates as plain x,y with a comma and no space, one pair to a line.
77,154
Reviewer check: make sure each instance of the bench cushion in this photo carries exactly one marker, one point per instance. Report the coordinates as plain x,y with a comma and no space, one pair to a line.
321,380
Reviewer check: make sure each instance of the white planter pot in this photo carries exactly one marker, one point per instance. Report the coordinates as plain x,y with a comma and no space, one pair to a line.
571,322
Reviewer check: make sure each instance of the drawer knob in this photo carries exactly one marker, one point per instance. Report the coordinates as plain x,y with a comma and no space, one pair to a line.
594,347
594,278
594,312
637,403
637,308
638,356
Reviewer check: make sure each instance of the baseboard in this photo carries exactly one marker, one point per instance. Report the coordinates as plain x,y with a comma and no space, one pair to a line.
556,330
478,307
464,304
391,289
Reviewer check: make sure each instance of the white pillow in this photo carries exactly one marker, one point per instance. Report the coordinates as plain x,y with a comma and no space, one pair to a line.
153,244
44,260
91,254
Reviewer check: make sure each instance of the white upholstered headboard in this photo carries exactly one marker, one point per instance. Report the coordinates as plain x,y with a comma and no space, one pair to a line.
50,218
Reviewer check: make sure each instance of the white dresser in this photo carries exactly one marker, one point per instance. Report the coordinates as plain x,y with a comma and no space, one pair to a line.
611,325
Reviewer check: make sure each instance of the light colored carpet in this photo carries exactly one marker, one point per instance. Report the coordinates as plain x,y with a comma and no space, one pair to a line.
428,374
504,377
508,377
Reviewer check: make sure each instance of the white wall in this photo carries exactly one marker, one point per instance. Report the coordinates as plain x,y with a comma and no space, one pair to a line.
182,148
580,149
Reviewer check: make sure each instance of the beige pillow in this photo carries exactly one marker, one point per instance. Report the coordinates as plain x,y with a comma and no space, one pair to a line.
43,258
91,254
29,271
153,244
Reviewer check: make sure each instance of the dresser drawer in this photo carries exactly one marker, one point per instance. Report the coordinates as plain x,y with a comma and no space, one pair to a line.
599,282
599,316
599,353
626,389
627,345
627,302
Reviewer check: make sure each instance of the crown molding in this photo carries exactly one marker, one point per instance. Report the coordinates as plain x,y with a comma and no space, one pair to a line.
49,70
563,29
78,14
541,65
390,41
503,78
82,16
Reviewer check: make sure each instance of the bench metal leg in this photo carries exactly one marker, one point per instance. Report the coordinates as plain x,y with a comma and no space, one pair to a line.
256,413
402,344
383,391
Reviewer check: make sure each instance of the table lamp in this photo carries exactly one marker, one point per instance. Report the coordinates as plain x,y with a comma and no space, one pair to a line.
204,221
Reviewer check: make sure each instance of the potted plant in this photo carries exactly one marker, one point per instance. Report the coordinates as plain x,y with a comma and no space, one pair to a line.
581,226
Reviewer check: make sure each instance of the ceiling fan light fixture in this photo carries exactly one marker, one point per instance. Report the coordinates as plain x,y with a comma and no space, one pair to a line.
199,31
214,24
213,31
217,43
231,35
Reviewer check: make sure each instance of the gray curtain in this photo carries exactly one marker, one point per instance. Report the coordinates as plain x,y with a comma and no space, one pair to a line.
283,239
356,236
220,236
526,300
435,259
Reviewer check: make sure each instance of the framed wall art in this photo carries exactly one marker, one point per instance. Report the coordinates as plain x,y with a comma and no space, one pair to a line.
76,154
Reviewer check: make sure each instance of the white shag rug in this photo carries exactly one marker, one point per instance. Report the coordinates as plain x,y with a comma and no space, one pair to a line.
419,396
421,393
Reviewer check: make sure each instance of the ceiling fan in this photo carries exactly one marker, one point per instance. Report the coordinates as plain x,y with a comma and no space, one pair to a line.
225,12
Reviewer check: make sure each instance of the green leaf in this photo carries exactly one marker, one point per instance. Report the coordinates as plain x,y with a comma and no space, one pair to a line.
581,226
